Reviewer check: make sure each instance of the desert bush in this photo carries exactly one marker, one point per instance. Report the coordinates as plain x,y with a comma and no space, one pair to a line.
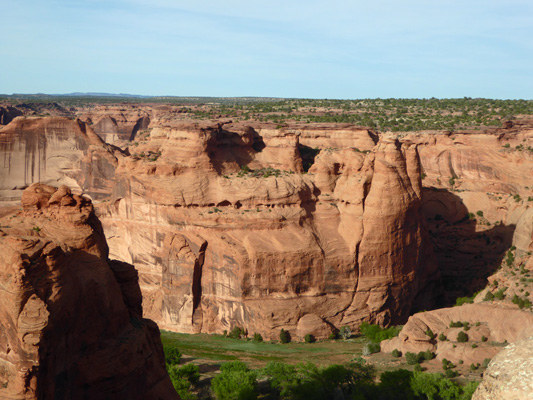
345,332
309,338
486,362
442,337
236,333
396,353
484,338
411,358
488,297
371,348
462,337
258,337
284,336
430,333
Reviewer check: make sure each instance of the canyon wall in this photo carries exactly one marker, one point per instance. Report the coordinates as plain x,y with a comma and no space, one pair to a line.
72,324
226,229
304,227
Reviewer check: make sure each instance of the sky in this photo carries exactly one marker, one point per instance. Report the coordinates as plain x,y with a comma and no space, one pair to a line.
306,49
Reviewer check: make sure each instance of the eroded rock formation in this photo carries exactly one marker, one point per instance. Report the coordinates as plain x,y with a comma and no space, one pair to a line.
226,230
71,324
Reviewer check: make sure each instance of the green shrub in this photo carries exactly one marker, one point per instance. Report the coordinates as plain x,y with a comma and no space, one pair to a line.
484,338
411,358
284,336
450,373
442,337
462,337
426,355
463,300
396,353
486,362
430,334
309,338
235,382
376,334
488,297
457,324
310,382
172,355
183,378
191,372
258,337
499,295
236,333
371,348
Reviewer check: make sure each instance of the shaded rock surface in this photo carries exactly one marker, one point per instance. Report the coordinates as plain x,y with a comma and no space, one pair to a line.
71,323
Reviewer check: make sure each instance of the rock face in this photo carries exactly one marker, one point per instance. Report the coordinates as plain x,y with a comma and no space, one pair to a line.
54,150
71,324
226,231
509,375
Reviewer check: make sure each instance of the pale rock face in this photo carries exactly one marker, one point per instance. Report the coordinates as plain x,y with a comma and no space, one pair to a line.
54,150
71,321
509,375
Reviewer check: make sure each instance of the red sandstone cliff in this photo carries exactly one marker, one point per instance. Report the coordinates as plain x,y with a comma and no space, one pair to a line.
71,324
218,247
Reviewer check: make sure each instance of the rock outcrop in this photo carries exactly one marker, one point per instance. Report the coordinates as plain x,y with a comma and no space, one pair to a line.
489,326
509,375
71,324
54,150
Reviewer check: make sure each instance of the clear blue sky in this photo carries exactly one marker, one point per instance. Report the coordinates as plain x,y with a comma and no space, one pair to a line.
318,49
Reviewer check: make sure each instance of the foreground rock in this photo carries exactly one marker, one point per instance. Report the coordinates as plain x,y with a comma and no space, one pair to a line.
71,324
509,375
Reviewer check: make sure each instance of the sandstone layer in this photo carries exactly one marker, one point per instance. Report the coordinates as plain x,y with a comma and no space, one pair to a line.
227,231
71,324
